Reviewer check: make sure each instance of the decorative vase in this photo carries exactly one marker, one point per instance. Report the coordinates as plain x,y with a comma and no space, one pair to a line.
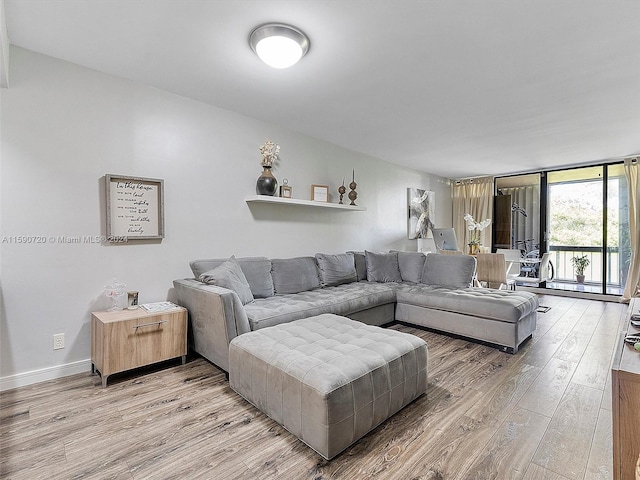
580,278
474,249
267,183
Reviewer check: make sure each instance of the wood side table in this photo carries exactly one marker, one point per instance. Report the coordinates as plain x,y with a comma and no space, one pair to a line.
126,339
625,377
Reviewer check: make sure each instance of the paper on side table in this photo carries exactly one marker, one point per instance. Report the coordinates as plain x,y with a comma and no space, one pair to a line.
158,306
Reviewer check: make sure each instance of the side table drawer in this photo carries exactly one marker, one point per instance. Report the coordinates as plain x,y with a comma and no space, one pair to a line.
159,338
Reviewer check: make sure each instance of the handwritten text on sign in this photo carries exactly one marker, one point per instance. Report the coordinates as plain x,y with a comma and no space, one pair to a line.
134,208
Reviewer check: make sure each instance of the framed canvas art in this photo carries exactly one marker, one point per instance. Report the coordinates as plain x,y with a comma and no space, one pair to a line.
421,205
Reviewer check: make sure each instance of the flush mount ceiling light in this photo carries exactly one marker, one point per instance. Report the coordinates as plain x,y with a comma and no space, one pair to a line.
279,45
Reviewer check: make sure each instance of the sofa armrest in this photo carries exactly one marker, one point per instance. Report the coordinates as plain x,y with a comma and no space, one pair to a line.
216,316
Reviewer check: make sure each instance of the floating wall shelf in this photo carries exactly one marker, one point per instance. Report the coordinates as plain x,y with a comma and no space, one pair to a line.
306,203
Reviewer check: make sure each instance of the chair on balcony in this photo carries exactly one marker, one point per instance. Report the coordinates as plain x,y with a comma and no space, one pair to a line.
530,263
544,272
492,270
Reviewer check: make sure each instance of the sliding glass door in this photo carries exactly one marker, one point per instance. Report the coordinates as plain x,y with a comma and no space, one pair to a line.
617,230
579,216
575,228
517,213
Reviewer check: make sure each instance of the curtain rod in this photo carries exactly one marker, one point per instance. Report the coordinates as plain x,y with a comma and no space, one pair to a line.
635,157
471,179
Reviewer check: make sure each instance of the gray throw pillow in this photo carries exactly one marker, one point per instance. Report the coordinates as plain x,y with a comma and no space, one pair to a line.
294,275
411,266
336,269
229,275
257,271
449,270
361,265
382,267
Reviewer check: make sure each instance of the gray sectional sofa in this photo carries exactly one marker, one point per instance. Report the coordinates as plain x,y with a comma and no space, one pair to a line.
229,297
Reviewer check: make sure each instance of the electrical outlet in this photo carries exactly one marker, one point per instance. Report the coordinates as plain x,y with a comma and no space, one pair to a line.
58,341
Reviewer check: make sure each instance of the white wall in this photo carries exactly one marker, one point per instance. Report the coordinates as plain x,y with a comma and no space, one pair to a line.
4,48
64,127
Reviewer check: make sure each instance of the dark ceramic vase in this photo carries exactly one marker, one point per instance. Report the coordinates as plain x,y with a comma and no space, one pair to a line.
267,183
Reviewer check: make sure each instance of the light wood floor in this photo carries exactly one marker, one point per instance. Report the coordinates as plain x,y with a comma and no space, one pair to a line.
544,413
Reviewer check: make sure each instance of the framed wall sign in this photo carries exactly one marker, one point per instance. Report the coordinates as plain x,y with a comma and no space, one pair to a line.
135,208
320,193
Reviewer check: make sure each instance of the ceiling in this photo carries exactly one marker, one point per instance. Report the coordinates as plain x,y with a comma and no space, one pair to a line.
457,88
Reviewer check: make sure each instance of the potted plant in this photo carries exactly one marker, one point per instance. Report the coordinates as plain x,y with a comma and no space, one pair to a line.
579,264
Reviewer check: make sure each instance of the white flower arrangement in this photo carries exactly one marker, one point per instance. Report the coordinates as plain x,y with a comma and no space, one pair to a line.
475,228
269,153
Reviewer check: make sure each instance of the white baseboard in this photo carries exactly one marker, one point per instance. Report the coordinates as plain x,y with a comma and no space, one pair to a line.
44,374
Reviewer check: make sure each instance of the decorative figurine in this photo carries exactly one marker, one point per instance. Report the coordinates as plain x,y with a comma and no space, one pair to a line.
341,191
352,194
114,291
285,189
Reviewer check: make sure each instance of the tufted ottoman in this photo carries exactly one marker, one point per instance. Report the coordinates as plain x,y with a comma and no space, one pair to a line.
328,379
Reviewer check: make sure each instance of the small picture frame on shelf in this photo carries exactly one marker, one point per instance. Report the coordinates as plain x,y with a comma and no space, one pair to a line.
286,191
320,193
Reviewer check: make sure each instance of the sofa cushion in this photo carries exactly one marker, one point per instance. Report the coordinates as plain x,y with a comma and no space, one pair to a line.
257,271
341,300
449,270
361,265
294,275
383,267
411,265
229,275
336,269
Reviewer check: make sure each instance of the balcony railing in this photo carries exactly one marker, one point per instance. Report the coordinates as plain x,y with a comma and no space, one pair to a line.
561,258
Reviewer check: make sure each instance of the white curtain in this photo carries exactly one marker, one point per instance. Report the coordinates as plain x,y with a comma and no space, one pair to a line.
473,196
632,172
525,228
